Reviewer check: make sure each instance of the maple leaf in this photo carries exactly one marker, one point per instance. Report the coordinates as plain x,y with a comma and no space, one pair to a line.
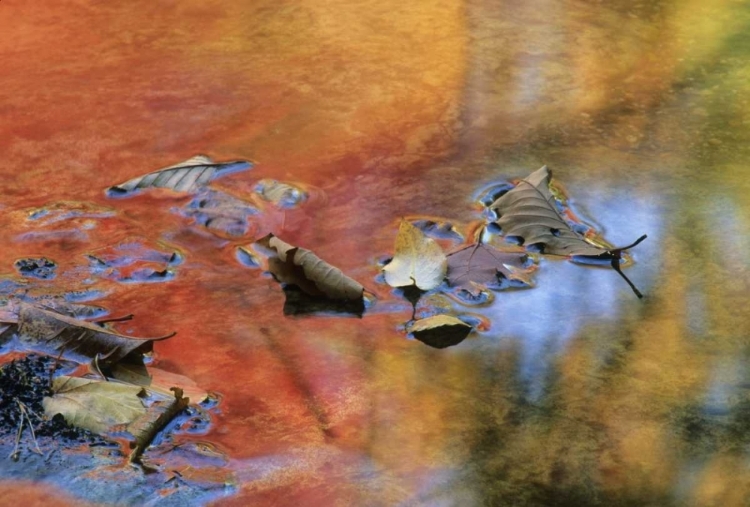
418,260
186,176
529,211
480,263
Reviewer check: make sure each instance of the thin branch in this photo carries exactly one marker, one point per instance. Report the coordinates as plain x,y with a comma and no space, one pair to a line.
25,413
616,266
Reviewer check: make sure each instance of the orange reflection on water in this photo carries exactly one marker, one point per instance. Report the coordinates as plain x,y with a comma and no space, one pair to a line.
388,109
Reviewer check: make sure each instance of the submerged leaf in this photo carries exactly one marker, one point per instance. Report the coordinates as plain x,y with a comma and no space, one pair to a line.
480,263
298,266
186,176
529,211
418,260
67,335
440,331
220,212
94,405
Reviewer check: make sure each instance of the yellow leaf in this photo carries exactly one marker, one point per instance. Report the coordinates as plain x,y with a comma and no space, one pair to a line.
418,260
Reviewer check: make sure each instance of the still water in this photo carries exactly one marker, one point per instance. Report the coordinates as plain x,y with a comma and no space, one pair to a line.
573,393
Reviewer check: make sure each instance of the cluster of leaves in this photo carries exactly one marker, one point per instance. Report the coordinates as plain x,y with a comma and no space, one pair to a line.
101,401
527,214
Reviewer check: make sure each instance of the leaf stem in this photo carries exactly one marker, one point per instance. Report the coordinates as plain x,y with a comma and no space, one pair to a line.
616,266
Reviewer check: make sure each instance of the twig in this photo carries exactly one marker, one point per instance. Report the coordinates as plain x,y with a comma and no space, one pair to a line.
25,413
97,369
113,319
15,452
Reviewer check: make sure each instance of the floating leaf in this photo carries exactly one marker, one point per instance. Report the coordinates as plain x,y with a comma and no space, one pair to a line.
529,211
440,331
186,176
482,264
298,266
418,261
95,405
39,328
282,195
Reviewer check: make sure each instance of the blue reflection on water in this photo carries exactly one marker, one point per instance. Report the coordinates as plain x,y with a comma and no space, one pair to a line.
543,320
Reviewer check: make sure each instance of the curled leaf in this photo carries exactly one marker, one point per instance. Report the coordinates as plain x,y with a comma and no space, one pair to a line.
440,331
315,277
418,260
186,176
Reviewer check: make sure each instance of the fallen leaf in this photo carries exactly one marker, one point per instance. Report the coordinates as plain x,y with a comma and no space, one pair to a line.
529,211
95,405
440,331
418,260
480,263
67,335
298,266
186,176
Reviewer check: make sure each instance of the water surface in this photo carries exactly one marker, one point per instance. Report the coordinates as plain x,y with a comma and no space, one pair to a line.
577,394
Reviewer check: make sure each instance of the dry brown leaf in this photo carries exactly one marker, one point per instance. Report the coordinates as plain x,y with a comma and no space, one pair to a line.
529,211
95,405
299,266
440,331
70,336
186,176
480,263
